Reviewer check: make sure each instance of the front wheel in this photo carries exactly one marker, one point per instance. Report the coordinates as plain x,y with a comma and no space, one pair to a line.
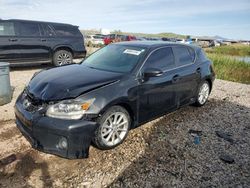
203,93
62,57
113,128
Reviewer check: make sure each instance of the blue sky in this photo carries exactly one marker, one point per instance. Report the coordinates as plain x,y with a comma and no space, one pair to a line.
227,18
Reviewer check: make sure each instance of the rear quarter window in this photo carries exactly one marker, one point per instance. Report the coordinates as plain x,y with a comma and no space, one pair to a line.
201,55
48,30
192,53
7,29
183,55
65,30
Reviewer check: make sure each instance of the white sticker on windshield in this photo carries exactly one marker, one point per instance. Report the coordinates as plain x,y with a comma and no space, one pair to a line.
1,28
132,52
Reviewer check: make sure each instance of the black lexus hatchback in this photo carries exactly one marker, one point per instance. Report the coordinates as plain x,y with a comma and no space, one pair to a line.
121,86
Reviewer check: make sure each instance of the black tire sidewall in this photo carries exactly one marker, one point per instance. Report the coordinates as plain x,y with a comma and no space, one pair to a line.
57,53
97,140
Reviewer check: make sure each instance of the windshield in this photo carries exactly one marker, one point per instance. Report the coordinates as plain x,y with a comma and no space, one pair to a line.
115,58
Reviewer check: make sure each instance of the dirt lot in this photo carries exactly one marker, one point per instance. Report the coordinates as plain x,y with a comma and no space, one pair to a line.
162,153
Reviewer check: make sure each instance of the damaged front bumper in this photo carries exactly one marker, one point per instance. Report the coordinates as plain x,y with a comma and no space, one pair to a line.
66,138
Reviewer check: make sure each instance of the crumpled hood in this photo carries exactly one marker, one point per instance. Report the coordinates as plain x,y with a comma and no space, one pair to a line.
68,82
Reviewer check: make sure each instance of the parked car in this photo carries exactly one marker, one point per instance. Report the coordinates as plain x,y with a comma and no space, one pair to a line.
186,41
129,38
119,87
169,39
140,38
118,38
153,38
23,41
102,35
94,40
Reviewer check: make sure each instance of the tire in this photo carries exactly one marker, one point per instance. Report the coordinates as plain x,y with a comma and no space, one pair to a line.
62,57
203,94
90,44
106,135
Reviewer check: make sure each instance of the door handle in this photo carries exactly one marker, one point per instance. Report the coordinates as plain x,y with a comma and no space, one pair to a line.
198,70
43,40
176,78
12,40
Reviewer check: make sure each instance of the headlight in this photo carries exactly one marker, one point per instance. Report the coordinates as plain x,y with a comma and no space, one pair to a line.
69,109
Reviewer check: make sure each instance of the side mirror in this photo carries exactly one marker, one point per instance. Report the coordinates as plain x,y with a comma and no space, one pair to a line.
152,72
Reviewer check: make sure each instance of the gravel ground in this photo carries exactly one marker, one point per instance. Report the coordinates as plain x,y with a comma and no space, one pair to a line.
172,159
162,153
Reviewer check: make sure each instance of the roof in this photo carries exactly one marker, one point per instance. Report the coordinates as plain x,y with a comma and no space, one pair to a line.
153,44
18,20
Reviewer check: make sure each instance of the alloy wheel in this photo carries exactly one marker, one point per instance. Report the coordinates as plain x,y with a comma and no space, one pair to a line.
63,59
114,129
203,93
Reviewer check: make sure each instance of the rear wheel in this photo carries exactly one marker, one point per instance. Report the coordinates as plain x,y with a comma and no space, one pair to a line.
113,129
203,94
89,44
62,57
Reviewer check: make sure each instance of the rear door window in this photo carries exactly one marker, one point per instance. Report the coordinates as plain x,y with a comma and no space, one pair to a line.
28,29
183,55
162,59
64,30
7,29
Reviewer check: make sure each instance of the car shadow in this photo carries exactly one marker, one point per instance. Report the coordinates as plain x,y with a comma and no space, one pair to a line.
174,158
25,165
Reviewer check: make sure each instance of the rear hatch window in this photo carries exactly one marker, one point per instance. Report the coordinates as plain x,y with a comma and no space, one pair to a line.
65,30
